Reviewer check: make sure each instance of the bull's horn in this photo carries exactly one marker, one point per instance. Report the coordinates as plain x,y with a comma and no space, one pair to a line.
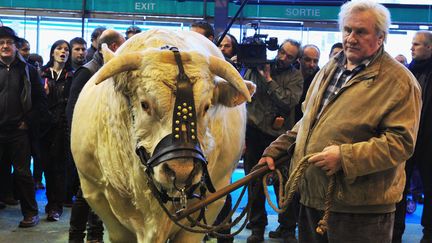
226,71
119,64
107,53
135,60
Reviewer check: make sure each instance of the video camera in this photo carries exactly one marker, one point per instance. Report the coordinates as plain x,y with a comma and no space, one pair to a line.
252,52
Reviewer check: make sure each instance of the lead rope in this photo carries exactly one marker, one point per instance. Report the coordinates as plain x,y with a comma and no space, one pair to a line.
291,187
204,228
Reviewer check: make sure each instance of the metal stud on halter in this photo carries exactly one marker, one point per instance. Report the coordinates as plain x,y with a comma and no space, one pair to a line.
183,141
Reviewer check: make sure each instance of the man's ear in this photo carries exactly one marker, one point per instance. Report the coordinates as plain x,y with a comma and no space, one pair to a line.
106,53
225,94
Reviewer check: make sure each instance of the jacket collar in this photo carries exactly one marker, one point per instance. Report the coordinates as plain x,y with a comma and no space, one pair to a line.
98,58
373,65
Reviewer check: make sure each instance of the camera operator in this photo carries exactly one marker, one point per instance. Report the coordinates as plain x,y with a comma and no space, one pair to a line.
271,113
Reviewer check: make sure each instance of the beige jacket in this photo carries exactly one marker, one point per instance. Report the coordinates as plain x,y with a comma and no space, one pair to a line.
374,119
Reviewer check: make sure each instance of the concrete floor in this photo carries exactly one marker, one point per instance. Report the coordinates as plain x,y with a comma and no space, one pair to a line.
57,232
53,232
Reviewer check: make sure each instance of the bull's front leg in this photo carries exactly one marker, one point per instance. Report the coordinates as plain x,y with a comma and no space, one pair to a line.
156,232
100,204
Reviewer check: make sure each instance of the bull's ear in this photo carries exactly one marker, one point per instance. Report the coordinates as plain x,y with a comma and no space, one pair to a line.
225,94
106,53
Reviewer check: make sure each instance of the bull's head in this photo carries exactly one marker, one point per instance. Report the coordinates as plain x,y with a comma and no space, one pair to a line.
176,159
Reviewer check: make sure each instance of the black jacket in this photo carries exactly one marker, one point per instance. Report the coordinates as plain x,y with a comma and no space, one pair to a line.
82,75
306,83
22,97
422,70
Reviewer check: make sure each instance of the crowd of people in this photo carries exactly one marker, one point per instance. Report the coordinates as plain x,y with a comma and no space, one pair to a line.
362,119
36,112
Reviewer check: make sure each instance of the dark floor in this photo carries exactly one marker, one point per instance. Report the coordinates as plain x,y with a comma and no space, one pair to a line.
54,232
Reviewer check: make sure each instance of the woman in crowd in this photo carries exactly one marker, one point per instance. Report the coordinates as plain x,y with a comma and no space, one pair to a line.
57,76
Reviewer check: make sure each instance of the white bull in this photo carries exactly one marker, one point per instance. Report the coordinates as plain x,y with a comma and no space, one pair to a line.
133,107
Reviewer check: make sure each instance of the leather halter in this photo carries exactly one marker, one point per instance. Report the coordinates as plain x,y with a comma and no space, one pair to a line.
183,141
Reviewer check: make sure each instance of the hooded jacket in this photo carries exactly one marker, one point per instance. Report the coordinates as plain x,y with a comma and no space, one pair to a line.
58,95
374,119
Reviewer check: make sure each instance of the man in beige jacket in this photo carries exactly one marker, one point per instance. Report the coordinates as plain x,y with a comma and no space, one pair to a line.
361,118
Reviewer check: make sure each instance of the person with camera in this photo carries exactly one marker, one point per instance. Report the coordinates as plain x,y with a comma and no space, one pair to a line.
270,114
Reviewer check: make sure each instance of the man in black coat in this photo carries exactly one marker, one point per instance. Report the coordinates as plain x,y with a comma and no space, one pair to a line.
22,100
308,65
421,67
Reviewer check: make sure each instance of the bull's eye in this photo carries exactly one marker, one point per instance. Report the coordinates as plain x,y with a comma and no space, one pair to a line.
206,108
145,106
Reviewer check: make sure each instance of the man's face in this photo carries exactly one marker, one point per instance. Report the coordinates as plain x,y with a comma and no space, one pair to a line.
115,45
226,47
360,38
287,54
309,61
7,48
25,51
335,51
79,52
401,59
129,35
419,49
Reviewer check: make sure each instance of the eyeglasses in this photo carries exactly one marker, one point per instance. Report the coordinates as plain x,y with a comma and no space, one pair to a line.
7,42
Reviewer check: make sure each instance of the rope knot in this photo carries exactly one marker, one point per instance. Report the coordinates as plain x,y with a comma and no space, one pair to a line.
322,227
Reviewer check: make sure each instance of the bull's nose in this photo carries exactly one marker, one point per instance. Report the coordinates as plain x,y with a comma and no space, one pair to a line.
181,170
168,171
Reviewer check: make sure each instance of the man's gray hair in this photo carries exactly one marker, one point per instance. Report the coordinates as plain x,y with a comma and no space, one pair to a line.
427,35
381,13
294,43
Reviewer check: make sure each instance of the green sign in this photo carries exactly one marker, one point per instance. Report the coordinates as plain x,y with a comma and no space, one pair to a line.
421,14
293,12
43,4
150,7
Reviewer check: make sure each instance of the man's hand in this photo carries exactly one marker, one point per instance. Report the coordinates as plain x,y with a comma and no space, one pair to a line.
269,161
329,160
265,72
23,126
